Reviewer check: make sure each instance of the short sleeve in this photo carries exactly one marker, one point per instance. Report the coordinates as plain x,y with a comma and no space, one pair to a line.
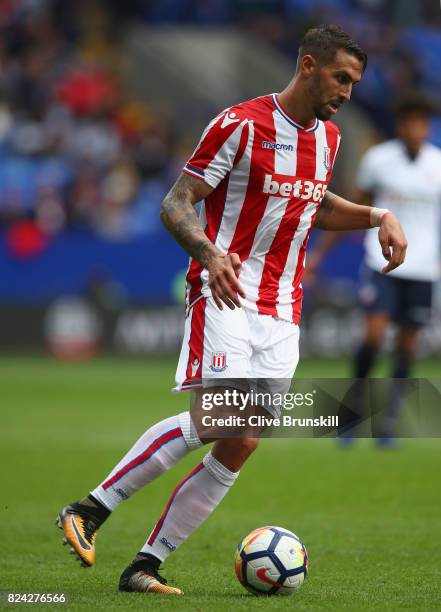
366,178
215,154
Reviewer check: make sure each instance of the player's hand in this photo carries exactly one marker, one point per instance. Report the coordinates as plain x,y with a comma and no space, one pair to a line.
393,242
223,273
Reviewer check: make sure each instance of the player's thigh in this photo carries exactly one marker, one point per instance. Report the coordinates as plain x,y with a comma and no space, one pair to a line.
415,303
215,345
274,363
378,292
379,298
278,356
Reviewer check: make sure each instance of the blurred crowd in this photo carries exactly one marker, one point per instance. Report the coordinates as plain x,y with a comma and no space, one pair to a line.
402,38
76,151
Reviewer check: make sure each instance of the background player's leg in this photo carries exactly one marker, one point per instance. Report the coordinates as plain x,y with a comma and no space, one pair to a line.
405,350
156,451
375,330
376,326
379,298
197,495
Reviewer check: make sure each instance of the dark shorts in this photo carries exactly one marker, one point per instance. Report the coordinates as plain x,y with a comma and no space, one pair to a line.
407,302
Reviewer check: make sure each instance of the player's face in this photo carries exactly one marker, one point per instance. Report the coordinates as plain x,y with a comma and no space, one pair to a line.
331,84
413,129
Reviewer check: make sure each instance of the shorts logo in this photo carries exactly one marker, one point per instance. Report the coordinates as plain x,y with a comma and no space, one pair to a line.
194,367
327,157
218,361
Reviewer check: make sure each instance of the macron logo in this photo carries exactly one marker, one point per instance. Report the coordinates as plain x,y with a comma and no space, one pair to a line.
276,146
229,119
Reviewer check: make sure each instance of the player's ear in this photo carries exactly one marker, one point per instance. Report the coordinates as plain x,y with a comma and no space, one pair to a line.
307,65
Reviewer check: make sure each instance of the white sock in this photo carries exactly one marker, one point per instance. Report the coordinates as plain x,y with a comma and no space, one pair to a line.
156,451
191,502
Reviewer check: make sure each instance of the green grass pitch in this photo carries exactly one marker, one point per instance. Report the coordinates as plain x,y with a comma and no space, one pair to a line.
370,519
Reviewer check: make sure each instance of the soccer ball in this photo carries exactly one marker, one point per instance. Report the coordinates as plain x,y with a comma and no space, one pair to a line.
270,561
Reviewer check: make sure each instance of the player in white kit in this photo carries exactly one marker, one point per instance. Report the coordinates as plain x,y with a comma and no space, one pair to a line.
262,168
402,175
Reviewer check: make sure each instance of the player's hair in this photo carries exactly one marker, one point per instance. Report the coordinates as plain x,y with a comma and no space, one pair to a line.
413,102
323,42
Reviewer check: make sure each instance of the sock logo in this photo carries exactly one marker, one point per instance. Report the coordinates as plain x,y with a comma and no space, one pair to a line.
121,493
168,544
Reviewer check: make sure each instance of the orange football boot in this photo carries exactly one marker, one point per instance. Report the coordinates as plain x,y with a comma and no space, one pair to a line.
80,525
142,576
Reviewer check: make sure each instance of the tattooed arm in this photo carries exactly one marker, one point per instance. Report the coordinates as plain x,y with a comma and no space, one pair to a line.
180,218
336,213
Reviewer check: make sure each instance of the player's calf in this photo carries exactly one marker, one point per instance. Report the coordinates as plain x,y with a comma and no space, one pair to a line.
233,452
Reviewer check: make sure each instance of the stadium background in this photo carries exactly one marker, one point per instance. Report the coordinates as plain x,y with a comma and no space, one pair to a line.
100,105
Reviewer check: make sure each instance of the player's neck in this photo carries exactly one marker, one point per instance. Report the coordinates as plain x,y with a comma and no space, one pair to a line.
412,152
297,105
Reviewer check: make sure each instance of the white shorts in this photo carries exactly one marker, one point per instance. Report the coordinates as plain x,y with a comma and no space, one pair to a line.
239,343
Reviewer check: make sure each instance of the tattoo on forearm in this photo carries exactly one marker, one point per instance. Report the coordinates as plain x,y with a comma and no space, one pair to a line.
180,218
326,208
328,202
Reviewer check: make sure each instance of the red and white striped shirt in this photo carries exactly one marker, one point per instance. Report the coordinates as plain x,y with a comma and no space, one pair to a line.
269,177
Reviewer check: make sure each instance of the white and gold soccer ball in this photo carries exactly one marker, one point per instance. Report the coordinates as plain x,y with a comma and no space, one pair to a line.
270,561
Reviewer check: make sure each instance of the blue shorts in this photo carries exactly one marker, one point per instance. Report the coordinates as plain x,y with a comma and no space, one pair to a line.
407,302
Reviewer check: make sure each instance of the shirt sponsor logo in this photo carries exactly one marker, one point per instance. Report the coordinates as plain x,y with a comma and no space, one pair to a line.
284,186
278,146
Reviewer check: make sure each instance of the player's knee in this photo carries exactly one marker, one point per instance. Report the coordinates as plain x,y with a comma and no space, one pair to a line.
407,341
376,326
374,339
248,445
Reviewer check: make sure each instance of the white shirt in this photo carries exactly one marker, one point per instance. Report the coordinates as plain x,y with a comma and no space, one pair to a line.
411,189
